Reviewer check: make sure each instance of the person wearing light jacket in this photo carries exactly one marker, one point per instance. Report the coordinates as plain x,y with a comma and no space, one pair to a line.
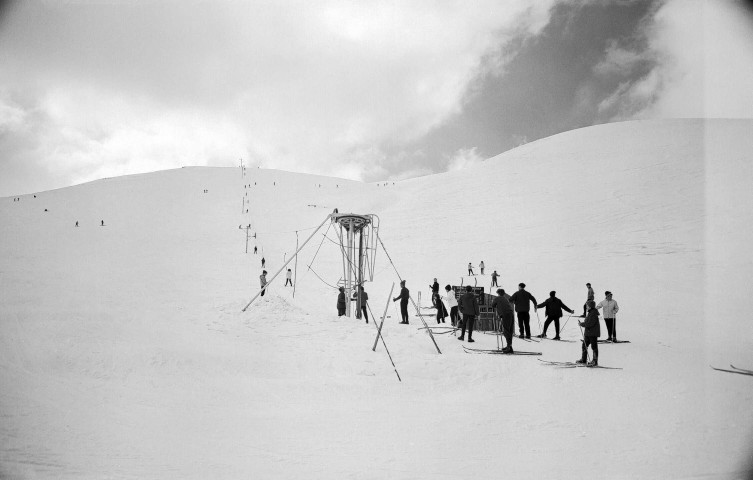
452,305
610,309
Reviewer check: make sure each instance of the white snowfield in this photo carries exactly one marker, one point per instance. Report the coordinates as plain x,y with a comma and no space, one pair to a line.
124,352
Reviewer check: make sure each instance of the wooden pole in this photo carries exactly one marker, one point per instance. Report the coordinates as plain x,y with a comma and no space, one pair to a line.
379,330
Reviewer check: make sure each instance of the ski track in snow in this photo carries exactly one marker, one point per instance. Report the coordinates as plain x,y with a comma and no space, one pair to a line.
124,352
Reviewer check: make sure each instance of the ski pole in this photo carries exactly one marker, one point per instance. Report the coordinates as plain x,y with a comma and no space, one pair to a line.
563,326
539,319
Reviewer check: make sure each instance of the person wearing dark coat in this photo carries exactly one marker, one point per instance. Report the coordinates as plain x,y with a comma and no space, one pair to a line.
434,286
522,301
403,297
341,302
436,300
469,308
554,307
361,297
501,304
591,334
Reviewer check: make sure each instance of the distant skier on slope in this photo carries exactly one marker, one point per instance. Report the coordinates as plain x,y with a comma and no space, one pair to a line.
554,307
263,262
501,304
481,267
469,309
434,286
263,281
470,269
452,304
590,334
610,312
494,278
521,299
403,297
254,250
289,278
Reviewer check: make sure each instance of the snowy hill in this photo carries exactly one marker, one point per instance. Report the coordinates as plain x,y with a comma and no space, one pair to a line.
124,352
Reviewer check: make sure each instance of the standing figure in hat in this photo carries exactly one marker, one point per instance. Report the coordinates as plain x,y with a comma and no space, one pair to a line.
522,301
341,302
403,297
610,313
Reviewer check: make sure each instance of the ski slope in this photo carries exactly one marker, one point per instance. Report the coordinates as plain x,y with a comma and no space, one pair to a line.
124,352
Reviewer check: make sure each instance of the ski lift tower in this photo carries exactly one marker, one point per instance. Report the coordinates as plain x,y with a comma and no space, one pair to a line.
358,243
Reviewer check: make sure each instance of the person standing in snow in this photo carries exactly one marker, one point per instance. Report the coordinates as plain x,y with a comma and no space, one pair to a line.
263,262
452,304
289,278
522,301
361,297
502,306
403,297
341,302
610,312
469,309
554,307
436,300
590,335
434,286
263,281
494,278
470,269
254,250
481,267
589,298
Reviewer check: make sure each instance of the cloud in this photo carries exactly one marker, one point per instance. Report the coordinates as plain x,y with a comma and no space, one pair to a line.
296,85
701,57
464,158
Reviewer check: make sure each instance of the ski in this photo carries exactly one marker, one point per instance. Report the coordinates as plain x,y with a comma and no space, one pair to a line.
614,341
573,364
499,352
741,369
560,340
739,372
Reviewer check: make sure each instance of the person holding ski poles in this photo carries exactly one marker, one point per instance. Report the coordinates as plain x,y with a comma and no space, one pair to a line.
522,301
403,297
610,313
553,312
470,269
501,304
590,334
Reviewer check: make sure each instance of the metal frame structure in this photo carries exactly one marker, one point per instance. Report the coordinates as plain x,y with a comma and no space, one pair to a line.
358,243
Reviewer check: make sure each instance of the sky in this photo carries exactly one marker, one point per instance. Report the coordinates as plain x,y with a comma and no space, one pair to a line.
367,90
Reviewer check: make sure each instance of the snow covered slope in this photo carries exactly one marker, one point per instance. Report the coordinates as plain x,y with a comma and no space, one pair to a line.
124,353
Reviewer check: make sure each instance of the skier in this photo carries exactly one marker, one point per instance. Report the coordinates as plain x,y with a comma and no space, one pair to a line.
254,250
341,302
554,307
77,223
434,286
452,305
263,281
503,307
469,308
610,311
436,300
361,297
403,297
289,278
102,224
470,269
481,267
521,299
590,334
494,279
263,262
589,298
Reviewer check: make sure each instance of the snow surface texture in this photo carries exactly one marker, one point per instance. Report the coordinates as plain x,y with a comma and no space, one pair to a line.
124,352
